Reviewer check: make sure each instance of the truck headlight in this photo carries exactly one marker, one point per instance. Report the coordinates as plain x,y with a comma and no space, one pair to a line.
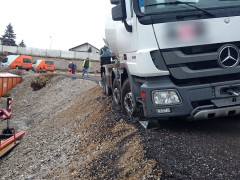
166,97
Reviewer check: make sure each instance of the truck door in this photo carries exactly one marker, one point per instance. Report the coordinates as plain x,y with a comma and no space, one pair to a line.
127,40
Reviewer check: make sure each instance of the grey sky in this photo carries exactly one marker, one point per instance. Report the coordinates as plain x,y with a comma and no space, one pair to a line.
68,22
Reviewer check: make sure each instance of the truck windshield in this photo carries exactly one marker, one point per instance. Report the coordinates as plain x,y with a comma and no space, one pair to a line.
161,6
5,60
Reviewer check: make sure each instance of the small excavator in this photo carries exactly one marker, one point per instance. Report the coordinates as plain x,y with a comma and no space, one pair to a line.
8,137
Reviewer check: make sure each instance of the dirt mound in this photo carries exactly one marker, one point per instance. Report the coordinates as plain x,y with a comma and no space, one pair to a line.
72,132
13,71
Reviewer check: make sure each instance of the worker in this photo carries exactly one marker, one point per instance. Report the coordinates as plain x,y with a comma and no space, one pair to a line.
70,68
86,64
114,58
105,52
73,68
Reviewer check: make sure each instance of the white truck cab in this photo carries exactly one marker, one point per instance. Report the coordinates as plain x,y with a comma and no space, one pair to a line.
177,58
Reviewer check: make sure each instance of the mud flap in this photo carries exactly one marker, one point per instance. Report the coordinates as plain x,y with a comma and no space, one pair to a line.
100,84
150,124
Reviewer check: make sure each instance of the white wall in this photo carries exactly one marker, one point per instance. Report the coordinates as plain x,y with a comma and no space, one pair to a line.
50,53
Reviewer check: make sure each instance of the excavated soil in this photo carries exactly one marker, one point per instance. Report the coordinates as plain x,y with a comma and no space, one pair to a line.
73,133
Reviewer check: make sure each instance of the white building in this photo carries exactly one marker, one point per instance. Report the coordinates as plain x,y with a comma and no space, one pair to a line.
86,47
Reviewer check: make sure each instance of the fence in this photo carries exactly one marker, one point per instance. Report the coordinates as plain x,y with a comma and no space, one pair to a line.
49,53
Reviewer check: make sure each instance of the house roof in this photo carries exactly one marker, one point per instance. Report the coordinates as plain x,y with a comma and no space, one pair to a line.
83,45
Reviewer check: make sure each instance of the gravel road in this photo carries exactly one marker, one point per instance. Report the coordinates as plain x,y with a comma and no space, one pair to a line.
196,150
75,132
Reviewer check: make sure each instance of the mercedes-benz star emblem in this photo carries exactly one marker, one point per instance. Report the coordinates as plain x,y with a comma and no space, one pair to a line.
227,20
229,56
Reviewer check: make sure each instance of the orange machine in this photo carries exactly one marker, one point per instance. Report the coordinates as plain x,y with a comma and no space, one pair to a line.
7,82
43,65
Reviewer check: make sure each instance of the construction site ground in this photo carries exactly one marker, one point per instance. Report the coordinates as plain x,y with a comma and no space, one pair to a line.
74,131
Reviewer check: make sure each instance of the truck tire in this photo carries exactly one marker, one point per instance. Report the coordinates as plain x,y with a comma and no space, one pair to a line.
116,92
106,89
127,101
103,83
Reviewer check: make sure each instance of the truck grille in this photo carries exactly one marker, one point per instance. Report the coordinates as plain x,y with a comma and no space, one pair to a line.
197,62
205,48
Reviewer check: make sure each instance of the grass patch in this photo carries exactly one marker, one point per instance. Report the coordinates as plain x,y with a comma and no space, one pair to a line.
41,81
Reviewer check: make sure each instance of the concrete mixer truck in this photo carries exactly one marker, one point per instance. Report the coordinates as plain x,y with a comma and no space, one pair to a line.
176,58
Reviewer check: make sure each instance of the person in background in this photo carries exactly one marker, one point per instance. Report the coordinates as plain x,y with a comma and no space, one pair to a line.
114,58
86,64
70,68
105,52
73,68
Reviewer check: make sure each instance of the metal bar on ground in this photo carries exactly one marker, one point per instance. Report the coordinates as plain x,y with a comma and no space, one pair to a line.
11,140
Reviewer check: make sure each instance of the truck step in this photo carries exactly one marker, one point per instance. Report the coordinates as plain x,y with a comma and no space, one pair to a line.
150,124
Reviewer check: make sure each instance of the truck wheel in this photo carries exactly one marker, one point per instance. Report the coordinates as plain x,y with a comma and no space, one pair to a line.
106,89
116,92
127,99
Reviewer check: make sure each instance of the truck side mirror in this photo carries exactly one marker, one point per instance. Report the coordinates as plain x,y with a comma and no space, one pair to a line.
119,11
115,1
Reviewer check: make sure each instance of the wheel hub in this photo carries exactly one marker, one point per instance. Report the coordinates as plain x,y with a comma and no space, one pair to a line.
116,95
128,103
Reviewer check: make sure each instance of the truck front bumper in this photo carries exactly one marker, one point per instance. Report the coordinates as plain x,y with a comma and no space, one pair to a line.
200,101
